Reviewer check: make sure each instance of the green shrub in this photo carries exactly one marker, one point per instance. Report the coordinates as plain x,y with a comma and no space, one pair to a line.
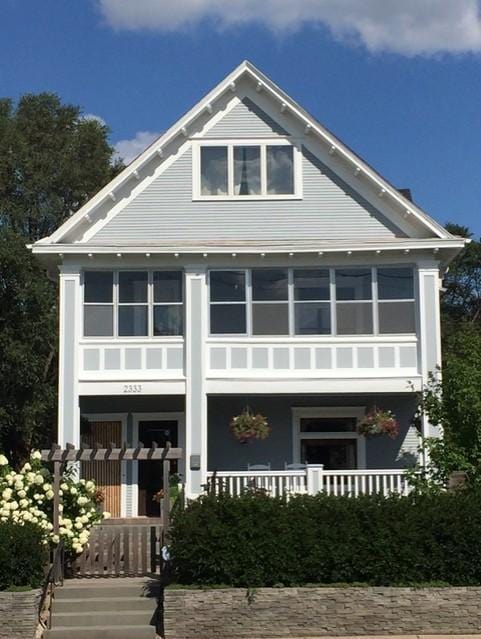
254,540
23,555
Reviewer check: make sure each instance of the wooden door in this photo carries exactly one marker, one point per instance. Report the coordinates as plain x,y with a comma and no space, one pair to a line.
106,474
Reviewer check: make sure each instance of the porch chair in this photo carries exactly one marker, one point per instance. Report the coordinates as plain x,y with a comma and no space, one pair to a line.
259,466
294,466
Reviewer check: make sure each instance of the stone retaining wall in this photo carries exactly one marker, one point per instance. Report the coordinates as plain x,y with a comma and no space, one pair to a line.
268,613
18,614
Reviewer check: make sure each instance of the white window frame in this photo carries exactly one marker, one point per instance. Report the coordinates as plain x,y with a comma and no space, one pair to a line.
350,412
374,302
230,144
115,304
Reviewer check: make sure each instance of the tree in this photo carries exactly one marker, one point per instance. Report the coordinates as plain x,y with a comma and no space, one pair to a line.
52,160
462,297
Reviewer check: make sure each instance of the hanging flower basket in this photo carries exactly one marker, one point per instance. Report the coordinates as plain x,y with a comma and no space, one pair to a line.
247,427
378,422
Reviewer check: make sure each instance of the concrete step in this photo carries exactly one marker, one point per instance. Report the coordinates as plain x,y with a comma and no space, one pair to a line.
111,618
102,588
101,632
106,604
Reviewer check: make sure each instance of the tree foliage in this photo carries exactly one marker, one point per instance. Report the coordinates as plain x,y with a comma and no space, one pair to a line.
52,160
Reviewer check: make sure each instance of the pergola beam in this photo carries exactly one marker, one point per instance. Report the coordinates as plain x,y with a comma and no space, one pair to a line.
72,454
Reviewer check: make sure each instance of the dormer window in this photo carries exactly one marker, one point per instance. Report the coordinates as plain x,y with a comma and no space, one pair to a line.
255,170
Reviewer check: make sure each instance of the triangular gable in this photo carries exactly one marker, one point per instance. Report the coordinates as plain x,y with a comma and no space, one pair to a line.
403,217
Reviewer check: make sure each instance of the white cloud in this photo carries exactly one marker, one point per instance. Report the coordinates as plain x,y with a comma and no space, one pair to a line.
409,27
128,150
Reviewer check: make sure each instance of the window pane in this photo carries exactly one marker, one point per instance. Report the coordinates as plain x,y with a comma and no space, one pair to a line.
227,318
353,284
280,170
98,286
269,284
313,318
227,286
270,319
132,286
133,321
328,424
354,319
311,284
396,317
395,283
168,286
247,170
98,321
213,170
168,320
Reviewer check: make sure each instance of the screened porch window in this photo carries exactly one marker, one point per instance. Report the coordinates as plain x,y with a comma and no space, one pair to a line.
133,303
312,301
228,302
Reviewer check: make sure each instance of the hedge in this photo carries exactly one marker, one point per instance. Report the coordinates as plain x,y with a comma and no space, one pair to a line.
254,540
23,555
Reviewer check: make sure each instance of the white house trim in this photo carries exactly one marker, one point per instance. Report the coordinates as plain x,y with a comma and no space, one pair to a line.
327,411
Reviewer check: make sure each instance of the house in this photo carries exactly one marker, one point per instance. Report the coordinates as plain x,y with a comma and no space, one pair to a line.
247,258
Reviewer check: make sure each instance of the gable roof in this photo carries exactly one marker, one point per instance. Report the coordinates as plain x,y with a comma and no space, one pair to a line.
106,197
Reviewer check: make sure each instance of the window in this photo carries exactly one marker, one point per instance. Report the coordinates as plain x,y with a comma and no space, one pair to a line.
98,304
312,301
228,302
396,300
312,309
270,308
328,436
253,170
354,308
133,303
168,306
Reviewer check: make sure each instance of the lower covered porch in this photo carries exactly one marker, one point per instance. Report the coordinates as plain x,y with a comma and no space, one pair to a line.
313,446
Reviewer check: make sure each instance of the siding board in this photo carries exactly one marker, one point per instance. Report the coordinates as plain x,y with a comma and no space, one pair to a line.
246,119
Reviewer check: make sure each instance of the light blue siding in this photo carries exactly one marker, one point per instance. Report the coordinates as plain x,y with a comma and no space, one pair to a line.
165,212
225,453
246,119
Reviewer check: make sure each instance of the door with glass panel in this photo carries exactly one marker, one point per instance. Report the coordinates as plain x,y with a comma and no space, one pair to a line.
330,441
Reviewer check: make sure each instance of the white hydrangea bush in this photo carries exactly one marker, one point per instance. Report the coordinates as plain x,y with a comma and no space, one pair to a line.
27,495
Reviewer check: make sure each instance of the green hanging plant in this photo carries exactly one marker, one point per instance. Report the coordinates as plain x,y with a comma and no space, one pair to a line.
246,427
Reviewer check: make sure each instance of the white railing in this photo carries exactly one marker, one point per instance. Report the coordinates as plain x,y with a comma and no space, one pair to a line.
314,479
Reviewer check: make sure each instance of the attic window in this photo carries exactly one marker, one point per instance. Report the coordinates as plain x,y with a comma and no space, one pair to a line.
253,170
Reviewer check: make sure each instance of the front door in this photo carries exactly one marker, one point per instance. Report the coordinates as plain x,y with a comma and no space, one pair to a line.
150,471
334,454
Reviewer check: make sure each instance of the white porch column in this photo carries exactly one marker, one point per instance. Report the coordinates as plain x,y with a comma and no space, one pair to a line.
429,330
195,365
69,326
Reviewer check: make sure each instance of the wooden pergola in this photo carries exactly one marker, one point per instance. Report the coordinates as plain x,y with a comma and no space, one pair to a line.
60,456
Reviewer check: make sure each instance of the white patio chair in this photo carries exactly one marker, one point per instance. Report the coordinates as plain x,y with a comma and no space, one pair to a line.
259,466
294,466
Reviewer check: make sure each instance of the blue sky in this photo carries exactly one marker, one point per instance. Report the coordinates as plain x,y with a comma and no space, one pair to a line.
402,87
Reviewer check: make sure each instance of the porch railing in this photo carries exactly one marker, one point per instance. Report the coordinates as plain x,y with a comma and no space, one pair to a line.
312,480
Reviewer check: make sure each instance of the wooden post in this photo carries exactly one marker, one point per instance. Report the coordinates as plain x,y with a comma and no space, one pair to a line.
57,467
166,486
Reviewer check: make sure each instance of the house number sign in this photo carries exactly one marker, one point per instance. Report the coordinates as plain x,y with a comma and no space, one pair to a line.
132,388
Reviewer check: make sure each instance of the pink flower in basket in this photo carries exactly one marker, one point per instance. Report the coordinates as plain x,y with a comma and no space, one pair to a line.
247,427
378,422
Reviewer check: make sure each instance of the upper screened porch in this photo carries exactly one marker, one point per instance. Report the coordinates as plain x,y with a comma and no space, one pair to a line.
286,324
